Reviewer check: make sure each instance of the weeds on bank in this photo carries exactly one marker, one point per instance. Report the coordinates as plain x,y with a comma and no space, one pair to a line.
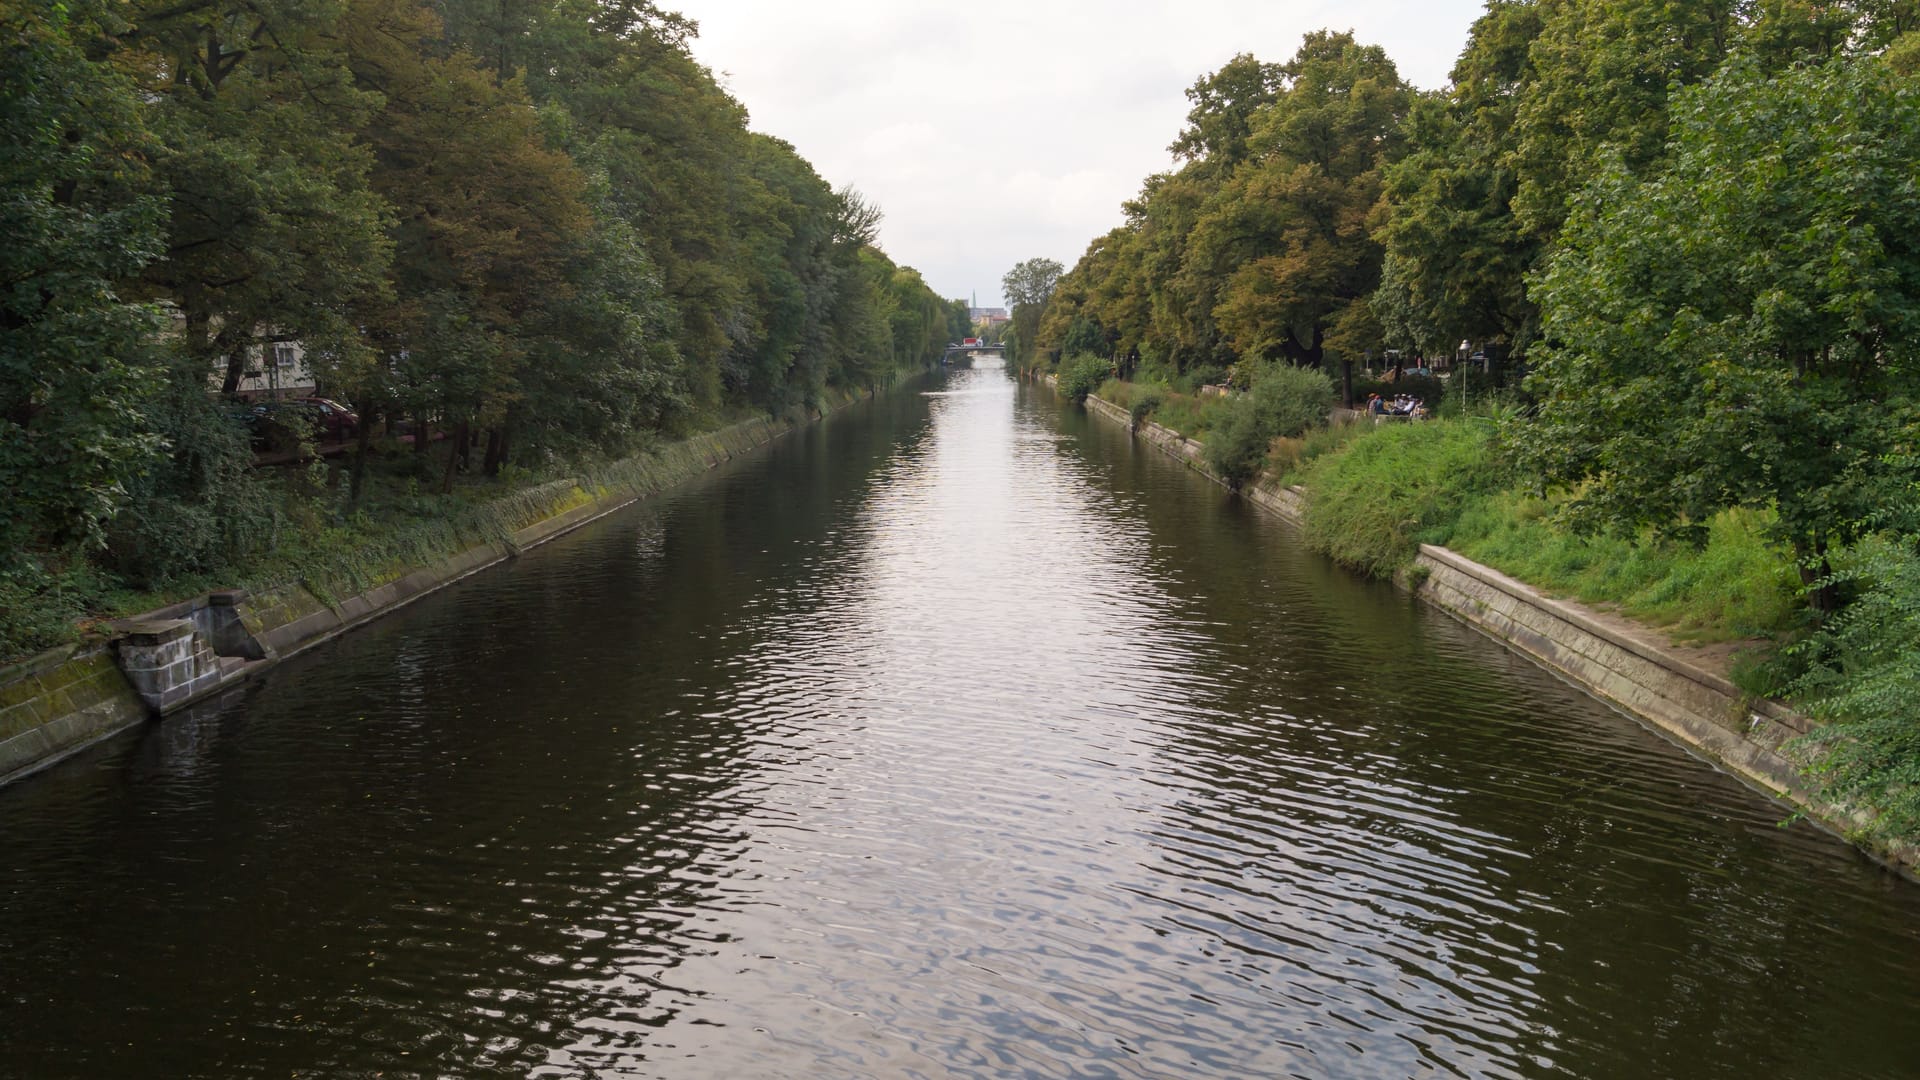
402,524
1740,585
1188,414
1374,503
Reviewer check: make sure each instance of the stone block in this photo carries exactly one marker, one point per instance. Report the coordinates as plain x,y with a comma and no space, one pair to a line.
15,719
155,632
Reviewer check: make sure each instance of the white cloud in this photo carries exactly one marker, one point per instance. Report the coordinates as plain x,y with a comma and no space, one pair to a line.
1010,129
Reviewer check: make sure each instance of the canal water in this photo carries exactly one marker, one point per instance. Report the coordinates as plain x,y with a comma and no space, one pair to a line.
956,736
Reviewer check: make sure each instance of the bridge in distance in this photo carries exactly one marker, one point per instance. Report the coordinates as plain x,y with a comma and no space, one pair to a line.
954,351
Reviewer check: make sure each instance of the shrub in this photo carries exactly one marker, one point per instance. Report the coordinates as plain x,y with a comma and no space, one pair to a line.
1143,406
1861,669
1285,402
1082,375
39,608
200,506
1237,448
1290,401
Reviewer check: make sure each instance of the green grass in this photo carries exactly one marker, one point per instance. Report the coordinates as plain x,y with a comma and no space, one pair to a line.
1187,414
1378,494
1373,503
1290,457
1740,585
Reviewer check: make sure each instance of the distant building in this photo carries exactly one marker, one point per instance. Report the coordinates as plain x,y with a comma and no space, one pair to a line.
275,370
987,317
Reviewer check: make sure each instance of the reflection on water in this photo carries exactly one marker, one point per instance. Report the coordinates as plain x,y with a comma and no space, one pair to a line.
954,737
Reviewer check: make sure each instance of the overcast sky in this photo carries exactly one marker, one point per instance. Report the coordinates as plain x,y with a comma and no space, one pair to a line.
1002,130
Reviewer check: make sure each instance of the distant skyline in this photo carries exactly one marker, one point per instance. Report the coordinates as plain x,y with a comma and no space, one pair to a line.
1014,130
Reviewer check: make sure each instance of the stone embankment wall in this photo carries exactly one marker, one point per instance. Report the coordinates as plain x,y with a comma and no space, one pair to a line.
1627,666
61,701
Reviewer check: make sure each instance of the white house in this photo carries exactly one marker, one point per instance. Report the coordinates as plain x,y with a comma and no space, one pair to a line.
275,370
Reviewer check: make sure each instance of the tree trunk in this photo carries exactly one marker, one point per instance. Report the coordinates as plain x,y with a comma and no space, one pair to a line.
1346,384
496,452
363,438
236,367
456,454
422,433
1815,568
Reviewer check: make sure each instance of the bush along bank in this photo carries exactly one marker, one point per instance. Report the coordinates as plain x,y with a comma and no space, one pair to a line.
1662,628
123,671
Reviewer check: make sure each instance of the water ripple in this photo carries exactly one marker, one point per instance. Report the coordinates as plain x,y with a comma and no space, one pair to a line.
965,739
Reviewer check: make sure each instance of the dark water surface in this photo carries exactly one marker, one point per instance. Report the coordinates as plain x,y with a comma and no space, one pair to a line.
954,737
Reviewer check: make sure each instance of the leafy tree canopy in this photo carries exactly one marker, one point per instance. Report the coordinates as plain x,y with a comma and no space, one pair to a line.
1740,328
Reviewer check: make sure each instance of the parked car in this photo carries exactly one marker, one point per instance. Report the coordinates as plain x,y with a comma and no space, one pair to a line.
332,421
281,426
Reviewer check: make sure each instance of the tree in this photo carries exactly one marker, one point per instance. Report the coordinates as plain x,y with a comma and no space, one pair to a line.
1741,328
1284,245
487,218
80,214
274,233
1027,287
1225,104
1598,92
1031,282
1457,260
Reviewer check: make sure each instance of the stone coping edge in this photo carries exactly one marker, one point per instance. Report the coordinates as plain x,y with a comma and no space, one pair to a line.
1573,614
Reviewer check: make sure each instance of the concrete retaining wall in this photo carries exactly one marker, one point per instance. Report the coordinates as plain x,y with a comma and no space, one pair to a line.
63,700
59,701
1626,666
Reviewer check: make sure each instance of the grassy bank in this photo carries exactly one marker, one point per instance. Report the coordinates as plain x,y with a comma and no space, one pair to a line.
1377,492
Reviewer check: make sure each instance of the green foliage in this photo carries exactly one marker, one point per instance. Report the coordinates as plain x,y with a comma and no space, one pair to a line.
1082,375
1737,584
1238,445
79,216
1278,252
39,608
1457,260
1741,330
1142,407
1285,402
1140,400
1430,390
275,232
1861,667
1289,456
566,262
1028,288
1372,506
200,506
